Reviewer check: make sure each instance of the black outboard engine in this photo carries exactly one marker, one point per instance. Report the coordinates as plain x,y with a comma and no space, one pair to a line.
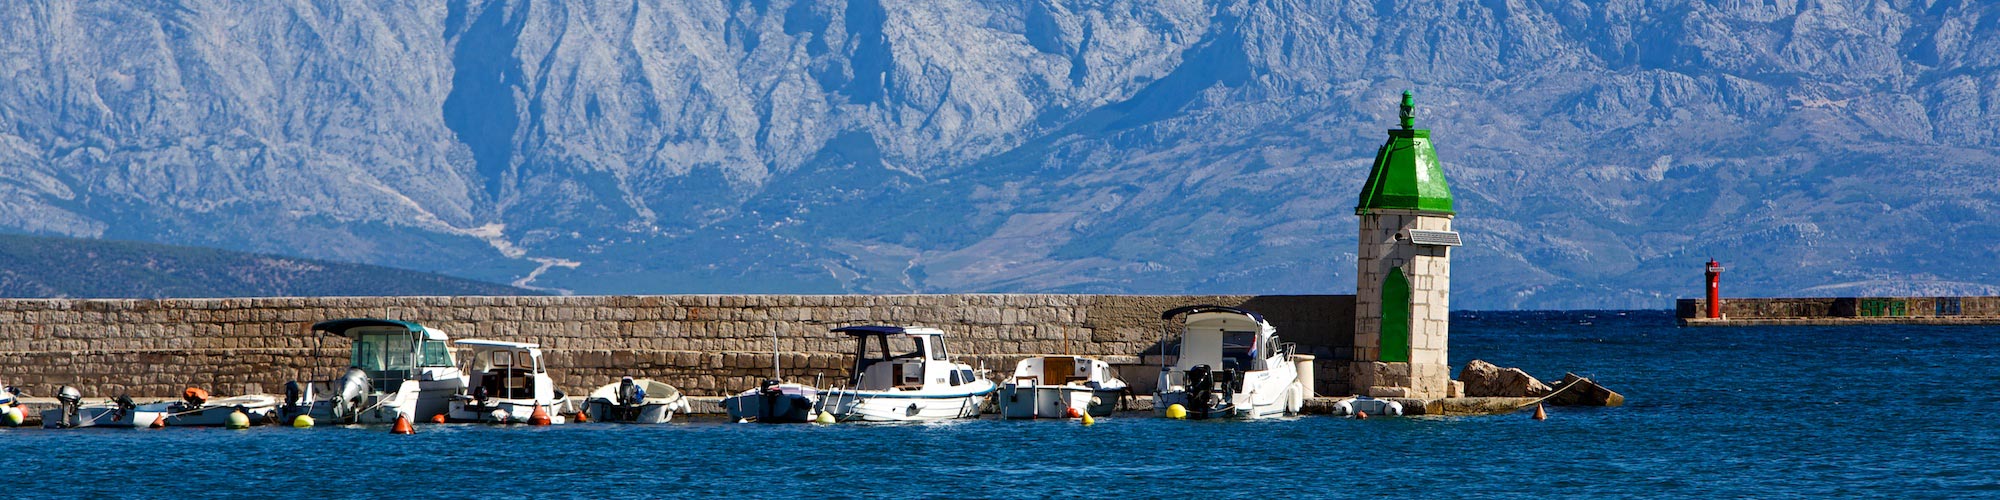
629,392
69,399
292,394
1209,391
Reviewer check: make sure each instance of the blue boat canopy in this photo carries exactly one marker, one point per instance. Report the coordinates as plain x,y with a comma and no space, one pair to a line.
1211,308
887,330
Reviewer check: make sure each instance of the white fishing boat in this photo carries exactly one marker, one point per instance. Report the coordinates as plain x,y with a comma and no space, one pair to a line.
774,401
195,409
905,374
72,413
1060,387
506,382
396,368
1229,365
641,401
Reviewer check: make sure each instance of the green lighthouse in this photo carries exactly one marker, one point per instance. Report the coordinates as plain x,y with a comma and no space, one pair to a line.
1403,270
1406,174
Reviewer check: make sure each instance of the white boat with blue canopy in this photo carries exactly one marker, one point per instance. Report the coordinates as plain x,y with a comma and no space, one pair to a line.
396,368
904,374
1229,364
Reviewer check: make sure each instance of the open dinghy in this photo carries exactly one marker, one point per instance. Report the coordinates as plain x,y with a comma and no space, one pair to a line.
641,401
905,374
195,409
506,383
1060,387
1230,365
71,412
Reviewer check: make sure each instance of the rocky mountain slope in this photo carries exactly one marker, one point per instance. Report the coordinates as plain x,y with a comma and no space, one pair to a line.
1600,151
43,267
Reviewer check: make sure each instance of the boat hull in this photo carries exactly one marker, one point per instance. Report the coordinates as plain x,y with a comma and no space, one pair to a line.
781,408
517,411
901,406
100,416
1055,401
601,410
1223,409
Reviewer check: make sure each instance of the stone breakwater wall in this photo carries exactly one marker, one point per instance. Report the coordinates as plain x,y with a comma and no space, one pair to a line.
1843,310
704,344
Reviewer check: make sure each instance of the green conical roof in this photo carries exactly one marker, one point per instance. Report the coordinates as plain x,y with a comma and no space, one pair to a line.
1406,174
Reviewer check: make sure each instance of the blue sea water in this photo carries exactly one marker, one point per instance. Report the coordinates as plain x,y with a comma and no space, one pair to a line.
1733,412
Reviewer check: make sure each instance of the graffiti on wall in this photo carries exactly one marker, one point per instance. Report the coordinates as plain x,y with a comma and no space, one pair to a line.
1883,308
1949,306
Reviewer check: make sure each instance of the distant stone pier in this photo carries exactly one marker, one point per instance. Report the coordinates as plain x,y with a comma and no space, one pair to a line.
1843,311
706,345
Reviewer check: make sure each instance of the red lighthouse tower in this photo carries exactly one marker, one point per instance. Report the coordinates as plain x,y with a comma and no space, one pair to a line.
1714,289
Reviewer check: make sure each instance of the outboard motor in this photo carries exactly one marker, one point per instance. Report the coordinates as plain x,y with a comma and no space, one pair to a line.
293,394
69,399
351,389
630,393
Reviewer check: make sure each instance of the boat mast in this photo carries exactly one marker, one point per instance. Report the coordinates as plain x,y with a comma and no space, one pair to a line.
776,370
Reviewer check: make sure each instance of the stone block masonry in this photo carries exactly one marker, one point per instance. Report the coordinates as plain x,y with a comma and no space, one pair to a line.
707,345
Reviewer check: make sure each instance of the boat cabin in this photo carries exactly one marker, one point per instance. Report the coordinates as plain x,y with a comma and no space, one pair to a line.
506,370
1059,370
903,358
392,351
1224,338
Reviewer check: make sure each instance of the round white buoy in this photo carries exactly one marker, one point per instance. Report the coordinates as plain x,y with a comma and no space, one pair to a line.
237,420
825,418
501,417
302,421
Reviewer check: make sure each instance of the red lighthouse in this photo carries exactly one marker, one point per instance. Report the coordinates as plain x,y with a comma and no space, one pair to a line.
1714,289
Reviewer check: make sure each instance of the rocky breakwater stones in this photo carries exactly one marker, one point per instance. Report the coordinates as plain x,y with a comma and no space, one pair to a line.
1484,380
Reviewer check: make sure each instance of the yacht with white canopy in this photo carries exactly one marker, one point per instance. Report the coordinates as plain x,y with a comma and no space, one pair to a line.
905,374
505,383
1229,364
395,368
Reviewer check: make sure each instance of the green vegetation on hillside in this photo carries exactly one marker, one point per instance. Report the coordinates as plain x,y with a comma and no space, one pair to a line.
32,266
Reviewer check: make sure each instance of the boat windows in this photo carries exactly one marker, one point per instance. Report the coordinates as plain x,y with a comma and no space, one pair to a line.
382,352
937,351
1239,350
436,353
962,376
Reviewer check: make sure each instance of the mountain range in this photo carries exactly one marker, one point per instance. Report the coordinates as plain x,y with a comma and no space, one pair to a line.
1600,152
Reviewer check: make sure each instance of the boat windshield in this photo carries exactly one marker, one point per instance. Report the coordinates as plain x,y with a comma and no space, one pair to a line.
385,356
436,354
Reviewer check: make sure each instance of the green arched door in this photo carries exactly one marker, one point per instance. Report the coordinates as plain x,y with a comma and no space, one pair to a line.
1396,317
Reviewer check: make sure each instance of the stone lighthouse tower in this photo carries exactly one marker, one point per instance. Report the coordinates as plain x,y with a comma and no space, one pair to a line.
1403,288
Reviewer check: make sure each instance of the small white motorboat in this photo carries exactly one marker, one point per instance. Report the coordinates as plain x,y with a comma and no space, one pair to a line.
506,383
1229,365
641,401
195,409
1060,387
396,369
774,403
904,374
71,413
1371,406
